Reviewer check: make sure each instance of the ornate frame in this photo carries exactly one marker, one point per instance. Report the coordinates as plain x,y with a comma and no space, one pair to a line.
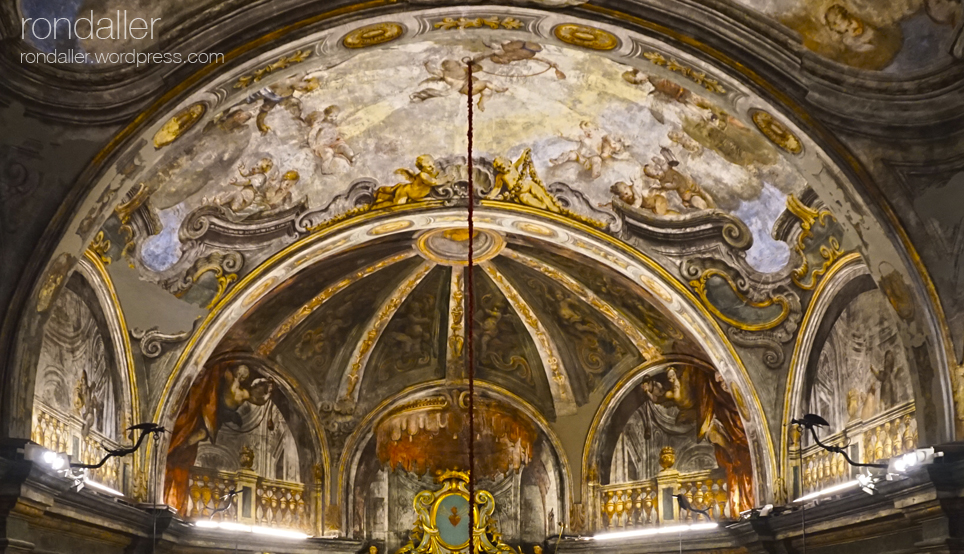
425,536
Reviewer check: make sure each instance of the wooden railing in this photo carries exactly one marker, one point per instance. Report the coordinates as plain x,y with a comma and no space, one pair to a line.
886,435
651,502
262,502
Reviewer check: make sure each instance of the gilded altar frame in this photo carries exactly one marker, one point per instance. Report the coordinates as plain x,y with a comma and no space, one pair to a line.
426,537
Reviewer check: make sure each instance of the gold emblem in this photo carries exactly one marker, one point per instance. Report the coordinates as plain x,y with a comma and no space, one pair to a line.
370,35
585,36
776,131
179,124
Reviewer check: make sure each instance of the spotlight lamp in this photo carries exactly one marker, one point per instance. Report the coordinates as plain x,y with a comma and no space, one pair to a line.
912,460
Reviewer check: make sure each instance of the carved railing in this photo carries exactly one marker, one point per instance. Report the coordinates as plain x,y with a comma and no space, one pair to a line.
206,488
282,504
54,432
880,438
263,502
630,505
651,502
705,492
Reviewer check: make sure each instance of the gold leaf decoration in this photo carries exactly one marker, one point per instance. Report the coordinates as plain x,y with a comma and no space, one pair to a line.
585,36
698,77
371,35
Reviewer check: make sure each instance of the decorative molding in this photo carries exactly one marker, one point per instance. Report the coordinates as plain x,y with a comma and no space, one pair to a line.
371,35
152,341
292,321
585,36
698,77
283,62
563,398
374,328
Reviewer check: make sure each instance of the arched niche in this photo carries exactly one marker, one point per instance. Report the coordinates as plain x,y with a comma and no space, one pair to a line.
244,426
671,427
532,501
851,367
85,396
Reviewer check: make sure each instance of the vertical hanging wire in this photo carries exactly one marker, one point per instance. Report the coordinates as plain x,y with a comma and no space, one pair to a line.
470,324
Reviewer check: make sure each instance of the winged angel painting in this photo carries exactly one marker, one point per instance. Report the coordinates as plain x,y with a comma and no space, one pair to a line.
635,132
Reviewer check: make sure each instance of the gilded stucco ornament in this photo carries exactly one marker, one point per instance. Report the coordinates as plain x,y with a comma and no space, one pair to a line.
586,36
698,77
775,131
493,22
100,246
442,523
56,277
757,314
181,123
371,35
819,235
281,63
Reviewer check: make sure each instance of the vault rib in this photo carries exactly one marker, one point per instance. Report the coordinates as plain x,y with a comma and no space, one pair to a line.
309,307
348,391
559,385
646,348
455,345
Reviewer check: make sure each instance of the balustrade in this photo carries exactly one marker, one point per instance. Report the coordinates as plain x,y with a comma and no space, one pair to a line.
278,504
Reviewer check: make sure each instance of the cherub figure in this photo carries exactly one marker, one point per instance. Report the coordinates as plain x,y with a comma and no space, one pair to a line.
455,75
247,187
663,170
593,149
416,187
512,51
284,93
518,182
327,143
259,188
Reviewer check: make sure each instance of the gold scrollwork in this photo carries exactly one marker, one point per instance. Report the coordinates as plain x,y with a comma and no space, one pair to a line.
804,276
457,317
646,348
775,131
425,536
493,22
371,35
585,36
101,248
281,63
699,285
698,77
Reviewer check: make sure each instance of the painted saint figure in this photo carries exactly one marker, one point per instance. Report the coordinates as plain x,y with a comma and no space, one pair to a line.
214,399
704,400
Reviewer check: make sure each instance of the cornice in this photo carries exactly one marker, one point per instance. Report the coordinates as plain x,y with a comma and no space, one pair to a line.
850,99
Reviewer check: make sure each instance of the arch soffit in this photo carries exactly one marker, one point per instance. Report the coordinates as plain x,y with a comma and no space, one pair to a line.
359,439
676,299
618,393
826,294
